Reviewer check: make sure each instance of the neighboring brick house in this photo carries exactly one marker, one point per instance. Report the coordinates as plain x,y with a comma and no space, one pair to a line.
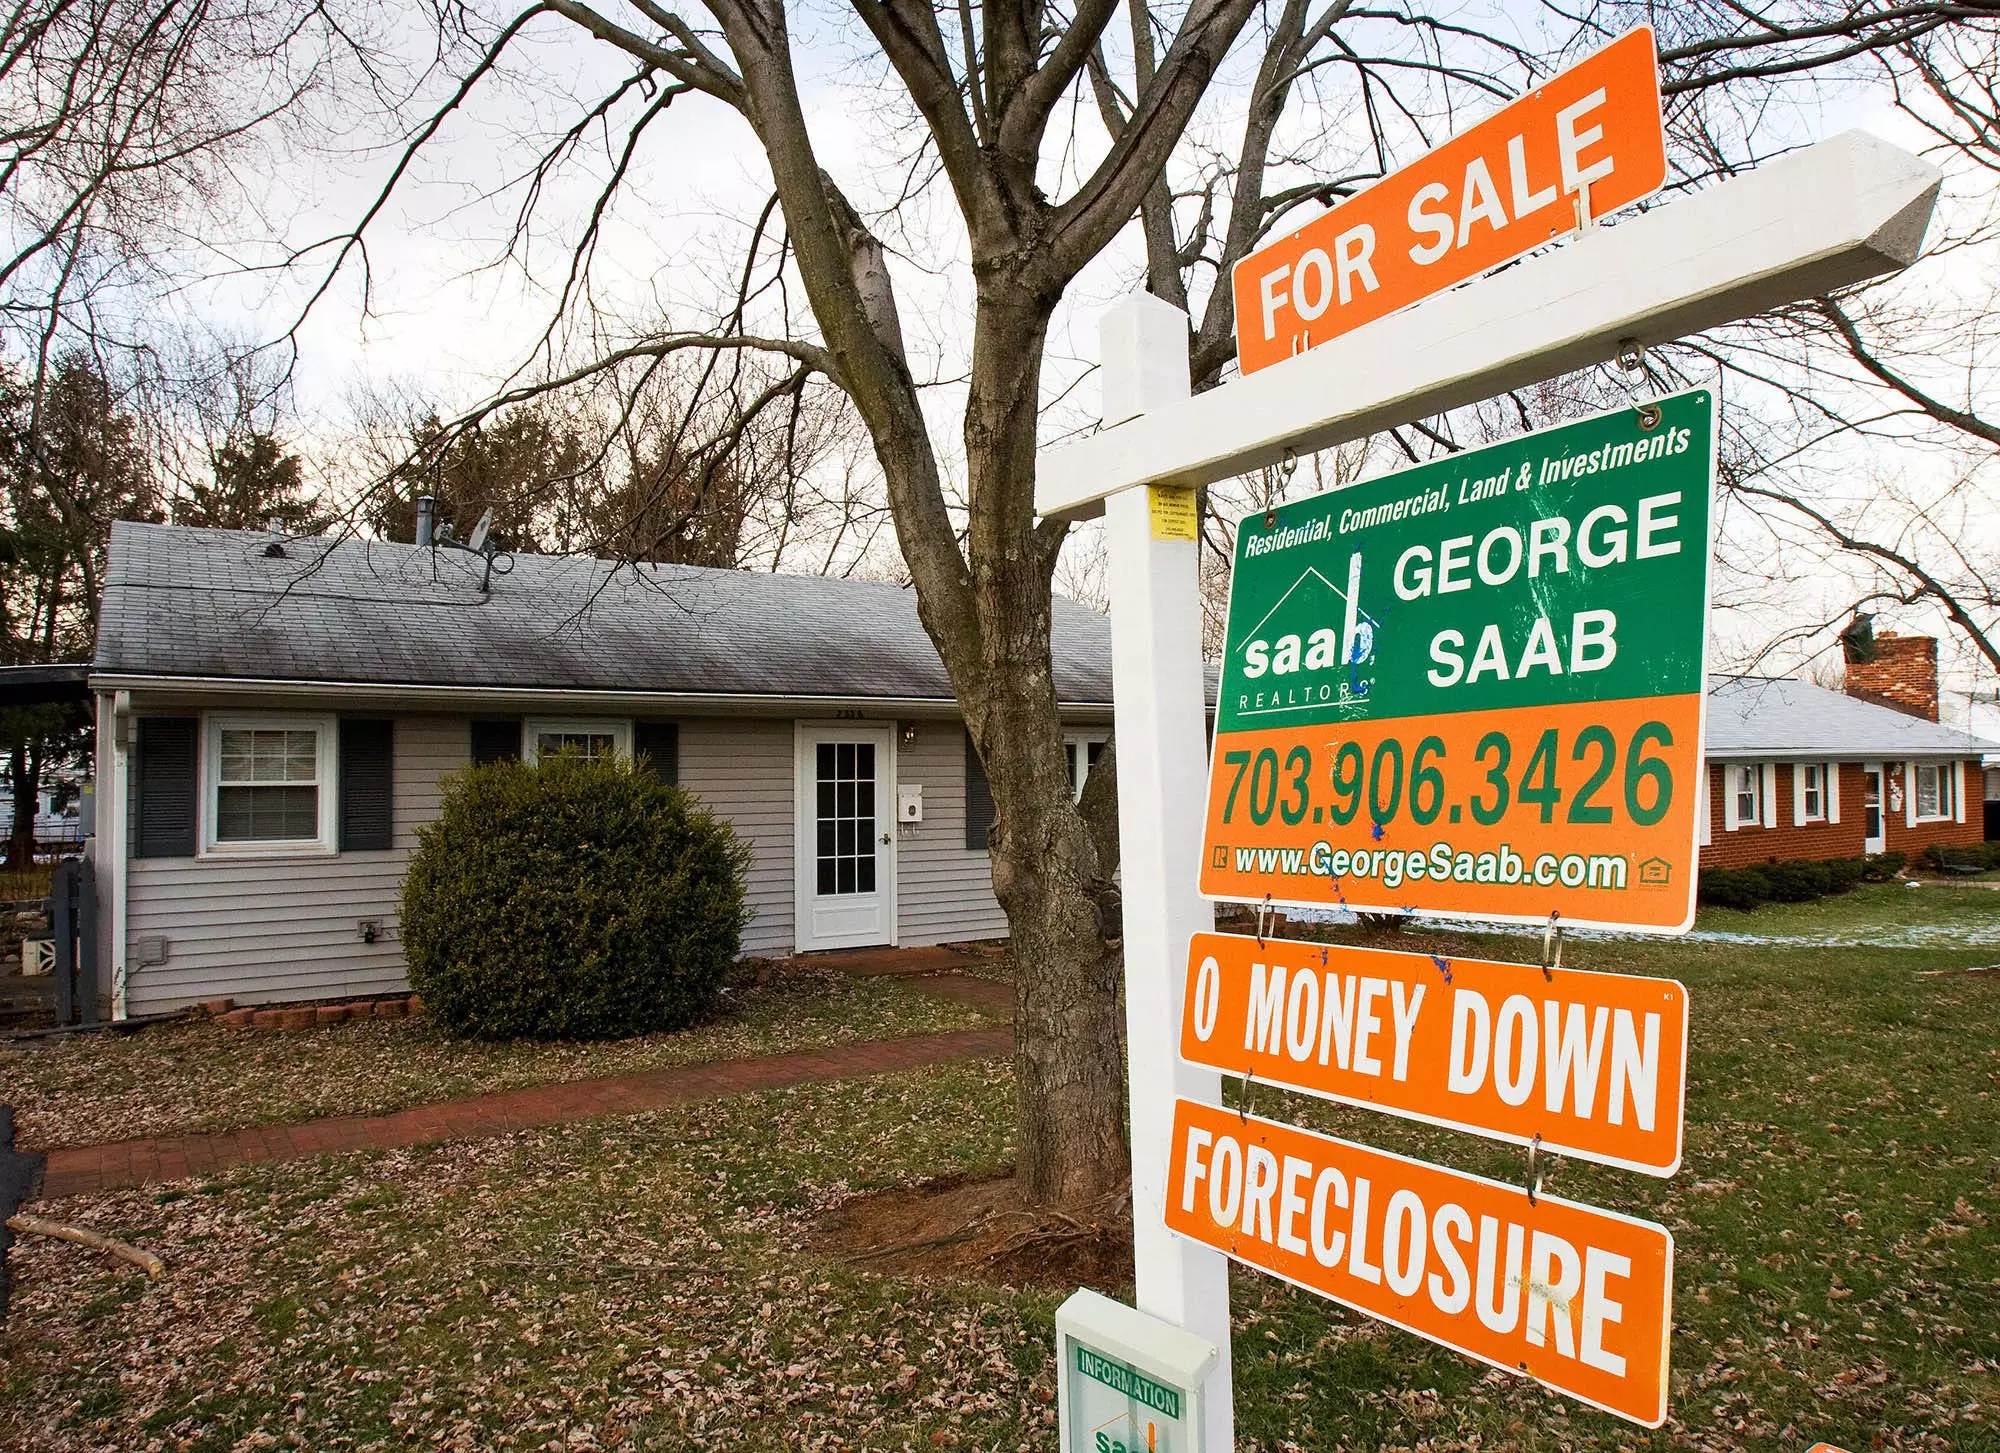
1798,771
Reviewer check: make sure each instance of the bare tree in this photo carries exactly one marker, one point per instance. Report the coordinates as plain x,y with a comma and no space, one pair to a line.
1042,133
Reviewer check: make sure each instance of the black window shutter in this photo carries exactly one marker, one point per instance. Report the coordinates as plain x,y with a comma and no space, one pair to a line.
168,777
657,744
979,813
367,784
495,739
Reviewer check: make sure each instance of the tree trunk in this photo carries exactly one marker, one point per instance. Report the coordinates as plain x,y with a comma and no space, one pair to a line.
24,772
1069,1068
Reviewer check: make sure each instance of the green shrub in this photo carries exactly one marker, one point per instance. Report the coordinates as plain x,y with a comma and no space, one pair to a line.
1732,888
1881,867
571,900
1846,873
1800,880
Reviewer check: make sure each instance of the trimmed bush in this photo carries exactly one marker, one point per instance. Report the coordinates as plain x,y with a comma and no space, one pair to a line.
1799,881
1881,867
1729,888
1847,873
571,900
1965,858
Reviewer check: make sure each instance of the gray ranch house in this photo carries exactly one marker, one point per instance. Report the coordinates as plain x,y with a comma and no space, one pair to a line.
277,718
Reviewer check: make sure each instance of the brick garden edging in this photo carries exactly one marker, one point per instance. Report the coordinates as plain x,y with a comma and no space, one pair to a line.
79,1170
310,1016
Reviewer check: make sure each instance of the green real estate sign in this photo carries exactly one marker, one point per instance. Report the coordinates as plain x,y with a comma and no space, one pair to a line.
1475,686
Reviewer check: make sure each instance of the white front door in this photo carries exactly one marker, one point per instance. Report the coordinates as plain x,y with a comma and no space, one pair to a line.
846,870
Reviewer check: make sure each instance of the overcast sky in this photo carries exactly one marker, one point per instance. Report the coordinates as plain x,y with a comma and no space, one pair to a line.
444,318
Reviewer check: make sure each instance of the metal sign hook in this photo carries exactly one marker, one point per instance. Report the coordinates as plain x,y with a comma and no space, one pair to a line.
1632,363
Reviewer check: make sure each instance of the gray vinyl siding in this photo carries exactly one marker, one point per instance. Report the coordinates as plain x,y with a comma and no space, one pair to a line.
944,891
742,770
270,930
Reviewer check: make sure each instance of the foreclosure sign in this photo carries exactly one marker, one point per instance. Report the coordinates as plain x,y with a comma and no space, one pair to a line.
1475,687
1590,134
1588,1064
1577,1298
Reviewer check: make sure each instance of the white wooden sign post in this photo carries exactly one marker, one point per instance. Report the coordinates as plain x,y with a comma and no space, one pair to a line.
1162,760
1827,217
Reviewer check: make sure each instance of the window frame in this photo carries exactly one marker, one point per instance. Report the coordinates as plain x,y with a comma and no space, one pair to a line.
326,782
1807,787
1947,781
1755,773
1076,747
618,728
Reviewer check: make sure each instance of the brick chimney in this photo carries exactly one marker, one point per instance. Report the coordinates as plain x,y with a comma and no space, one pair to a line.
1899,672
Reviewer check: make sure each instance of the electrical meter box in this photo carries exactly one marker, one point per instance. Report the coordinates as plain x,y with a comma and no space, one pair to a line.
910,802
1127,1382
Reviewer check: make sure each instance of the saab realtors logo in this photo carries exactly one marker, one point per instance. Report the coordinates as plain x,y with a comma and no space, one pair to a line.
1314,648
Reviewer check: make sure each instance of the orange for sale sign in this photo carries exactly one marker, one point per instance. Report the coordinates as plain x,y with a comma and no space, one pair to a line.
1577,1298
1593,1064
1485,197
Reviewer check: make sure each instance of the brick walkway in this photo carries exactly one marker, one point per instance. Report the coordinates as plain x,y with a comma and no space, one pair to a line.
81,1169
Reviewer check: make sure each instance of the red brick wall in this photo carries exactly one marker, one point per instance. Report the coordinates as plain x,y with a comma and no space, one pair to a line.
1903,676
1752,843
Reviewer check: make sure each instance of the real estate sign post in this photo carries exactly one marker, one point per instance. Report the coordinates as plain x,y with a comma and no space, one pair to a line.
1475,686
1481,708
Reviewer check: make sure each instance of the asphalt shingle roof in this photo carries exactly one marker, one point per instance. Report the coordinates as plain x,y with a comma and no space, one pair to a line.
209,603
1776,716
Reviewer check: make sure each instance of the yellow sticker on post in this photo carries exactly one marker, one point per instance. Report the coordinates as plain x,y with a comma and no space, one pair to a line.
1173,510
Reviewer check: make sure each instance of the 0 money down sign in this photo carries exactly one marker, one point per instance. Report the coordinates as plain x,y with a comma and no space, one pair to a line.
1475,687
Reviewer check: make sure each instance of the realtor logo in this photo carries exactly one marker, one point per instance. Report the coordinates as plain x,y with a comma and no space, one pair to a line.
1221,859
1655,873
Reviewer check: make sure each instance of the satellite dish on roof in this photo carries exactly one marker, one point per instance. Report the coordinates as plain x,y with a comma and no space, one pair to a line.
477,544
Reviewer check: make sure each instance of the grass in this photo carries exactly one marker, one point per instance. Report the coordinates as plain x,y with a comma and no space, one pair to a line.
195,1075
1948,911
646,1281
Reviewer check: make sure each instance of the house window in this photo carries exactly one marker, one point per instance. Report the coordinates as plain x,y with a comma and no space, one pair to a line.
269,782
1747,782
1083,753
1812,791
1935,781
589,738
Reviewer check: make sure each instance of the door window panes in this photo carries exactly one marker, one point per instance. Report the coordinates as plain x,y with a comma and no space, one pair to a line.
844,788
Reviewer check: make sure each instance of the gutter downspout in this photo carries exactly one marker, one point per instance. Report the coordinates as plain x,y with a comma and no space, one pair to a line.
120,831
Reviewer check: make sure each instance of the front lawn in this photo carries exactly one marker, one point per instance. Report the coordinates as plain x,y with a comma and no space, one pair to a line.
647,1282
195,1075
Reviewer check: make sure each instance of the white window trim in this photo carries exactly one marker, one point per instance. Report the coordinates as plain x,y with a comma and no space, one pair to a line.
1833,792
1947,786
533,727
1702,812
1800,816
327,769
1071,741
1958,792
1770,803
1732,818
